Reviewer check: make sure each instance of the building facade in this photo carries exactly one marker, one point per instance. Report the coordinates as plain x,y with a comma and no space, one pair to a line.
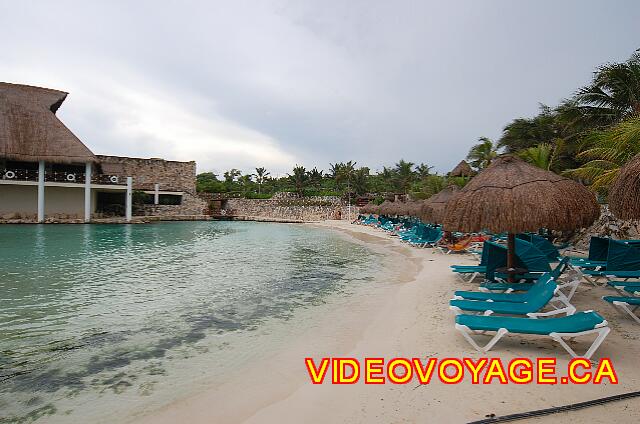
48,174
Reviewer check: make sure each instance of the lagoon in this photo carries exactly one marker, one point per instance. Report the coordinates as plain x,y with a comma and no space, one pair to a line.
101,321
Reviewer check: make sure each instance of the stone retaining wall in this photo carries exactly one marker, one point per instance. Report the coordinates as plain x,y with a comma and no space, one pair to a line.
606,226
290,208
191,205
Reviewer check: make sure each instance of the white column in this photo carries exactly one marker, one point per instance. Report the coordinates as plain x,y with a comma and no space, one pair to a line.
128,201
156,195
41,191
87,192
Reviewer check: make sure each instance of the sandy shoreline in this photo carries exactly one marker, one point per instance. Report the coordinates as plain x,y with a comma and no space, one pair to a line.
407,318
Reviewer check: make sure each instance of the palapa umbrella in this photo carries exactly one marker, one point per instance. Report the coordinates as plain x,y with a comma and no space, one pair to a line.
368,208
396,208
433,207
624,194
513,196
385,208
414,208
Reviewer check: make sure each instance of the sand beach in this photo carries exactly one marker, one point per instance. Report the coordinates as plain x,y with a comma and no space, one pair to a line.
408,317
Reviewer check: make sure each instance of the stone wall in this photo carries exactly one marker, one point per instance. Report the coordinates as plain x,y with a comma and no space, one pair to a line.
171,175
288,207
191,205
606,226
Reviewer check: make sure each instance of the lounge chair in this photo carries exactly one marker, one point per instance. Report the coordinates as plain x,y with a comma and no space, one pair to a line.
626,303
545,294
510,296
567,287
578,324
461,246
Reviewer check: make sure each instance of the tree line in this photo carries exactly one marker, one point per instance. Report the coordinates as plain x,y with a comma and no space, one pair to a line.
342,179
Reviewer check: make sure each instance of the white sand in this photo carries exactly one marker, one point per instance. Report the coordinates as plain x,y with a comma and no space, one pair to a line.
410,319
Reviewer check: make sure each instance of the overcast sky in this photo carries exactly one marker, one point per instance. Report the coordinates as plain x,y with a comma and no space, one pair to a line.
276,83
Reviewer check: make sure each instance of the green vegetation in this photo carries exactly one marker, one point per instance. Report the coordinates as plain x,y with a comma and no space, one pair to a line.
588,136
344,179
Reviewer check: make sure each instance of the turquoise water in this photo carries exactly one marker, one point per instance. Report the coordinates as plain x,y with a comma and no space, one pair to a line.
99,315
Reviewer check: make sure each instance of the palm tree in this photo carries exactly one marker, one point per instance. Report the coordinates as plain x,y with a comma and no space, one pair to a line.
231,175
299,179
423,170
335,172
523,133
541,155
481,154
261,176
315,178
361,180
608,151
613,95
404,175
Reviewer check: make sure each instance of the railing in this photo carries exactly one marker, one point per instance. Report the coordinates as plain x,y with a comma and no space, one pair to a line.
60,177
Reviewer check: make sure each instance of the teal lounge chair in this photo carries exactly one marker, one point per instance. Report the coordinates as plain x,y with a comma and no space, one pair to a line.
578,324
545,294
623,261
494,256
626,303
567,287
520,296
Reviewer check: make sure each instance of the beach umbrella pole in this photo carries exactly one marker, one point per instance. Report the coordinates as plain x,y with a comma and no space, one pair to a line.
511,256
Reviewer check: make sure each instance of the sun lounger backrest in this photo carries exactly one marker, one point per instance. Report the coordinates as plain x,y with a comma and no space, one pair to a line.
531,257
539,286
545,246
543,292
598,248
623,256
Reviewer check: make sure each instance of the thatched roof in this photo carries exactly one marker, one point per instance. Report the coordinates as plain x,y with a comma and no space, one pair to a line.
368,208
463,169
413,208
388,208
512,195
30,130
433,208
624,194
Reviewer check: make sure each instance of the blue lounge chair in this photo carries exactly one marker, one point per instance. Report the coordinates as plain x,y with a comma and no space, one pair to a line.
567,287
545,294
623,261
626,303
578,324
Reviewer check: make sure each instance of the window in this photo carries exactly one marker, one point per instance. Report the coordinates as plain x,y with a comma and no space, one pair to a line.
170,199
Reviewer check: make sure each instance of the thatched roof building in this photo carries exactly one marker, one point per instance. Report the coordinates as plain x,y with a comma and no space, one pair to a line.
514,196
30,131
463,169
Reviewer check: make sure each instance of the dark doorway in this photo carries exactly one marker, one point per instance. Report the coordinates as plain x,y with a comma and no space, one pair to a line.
111,203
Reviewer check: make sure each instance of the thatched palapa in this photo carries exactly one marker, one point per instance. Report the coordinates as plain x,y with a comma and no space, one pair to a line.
413,208
368,208
624,194
30,130
463,169
514,196
433,208
386,208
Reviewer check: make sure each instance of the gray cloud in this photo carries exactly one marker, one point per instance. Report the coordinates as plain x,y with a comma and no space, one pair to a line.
244,84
